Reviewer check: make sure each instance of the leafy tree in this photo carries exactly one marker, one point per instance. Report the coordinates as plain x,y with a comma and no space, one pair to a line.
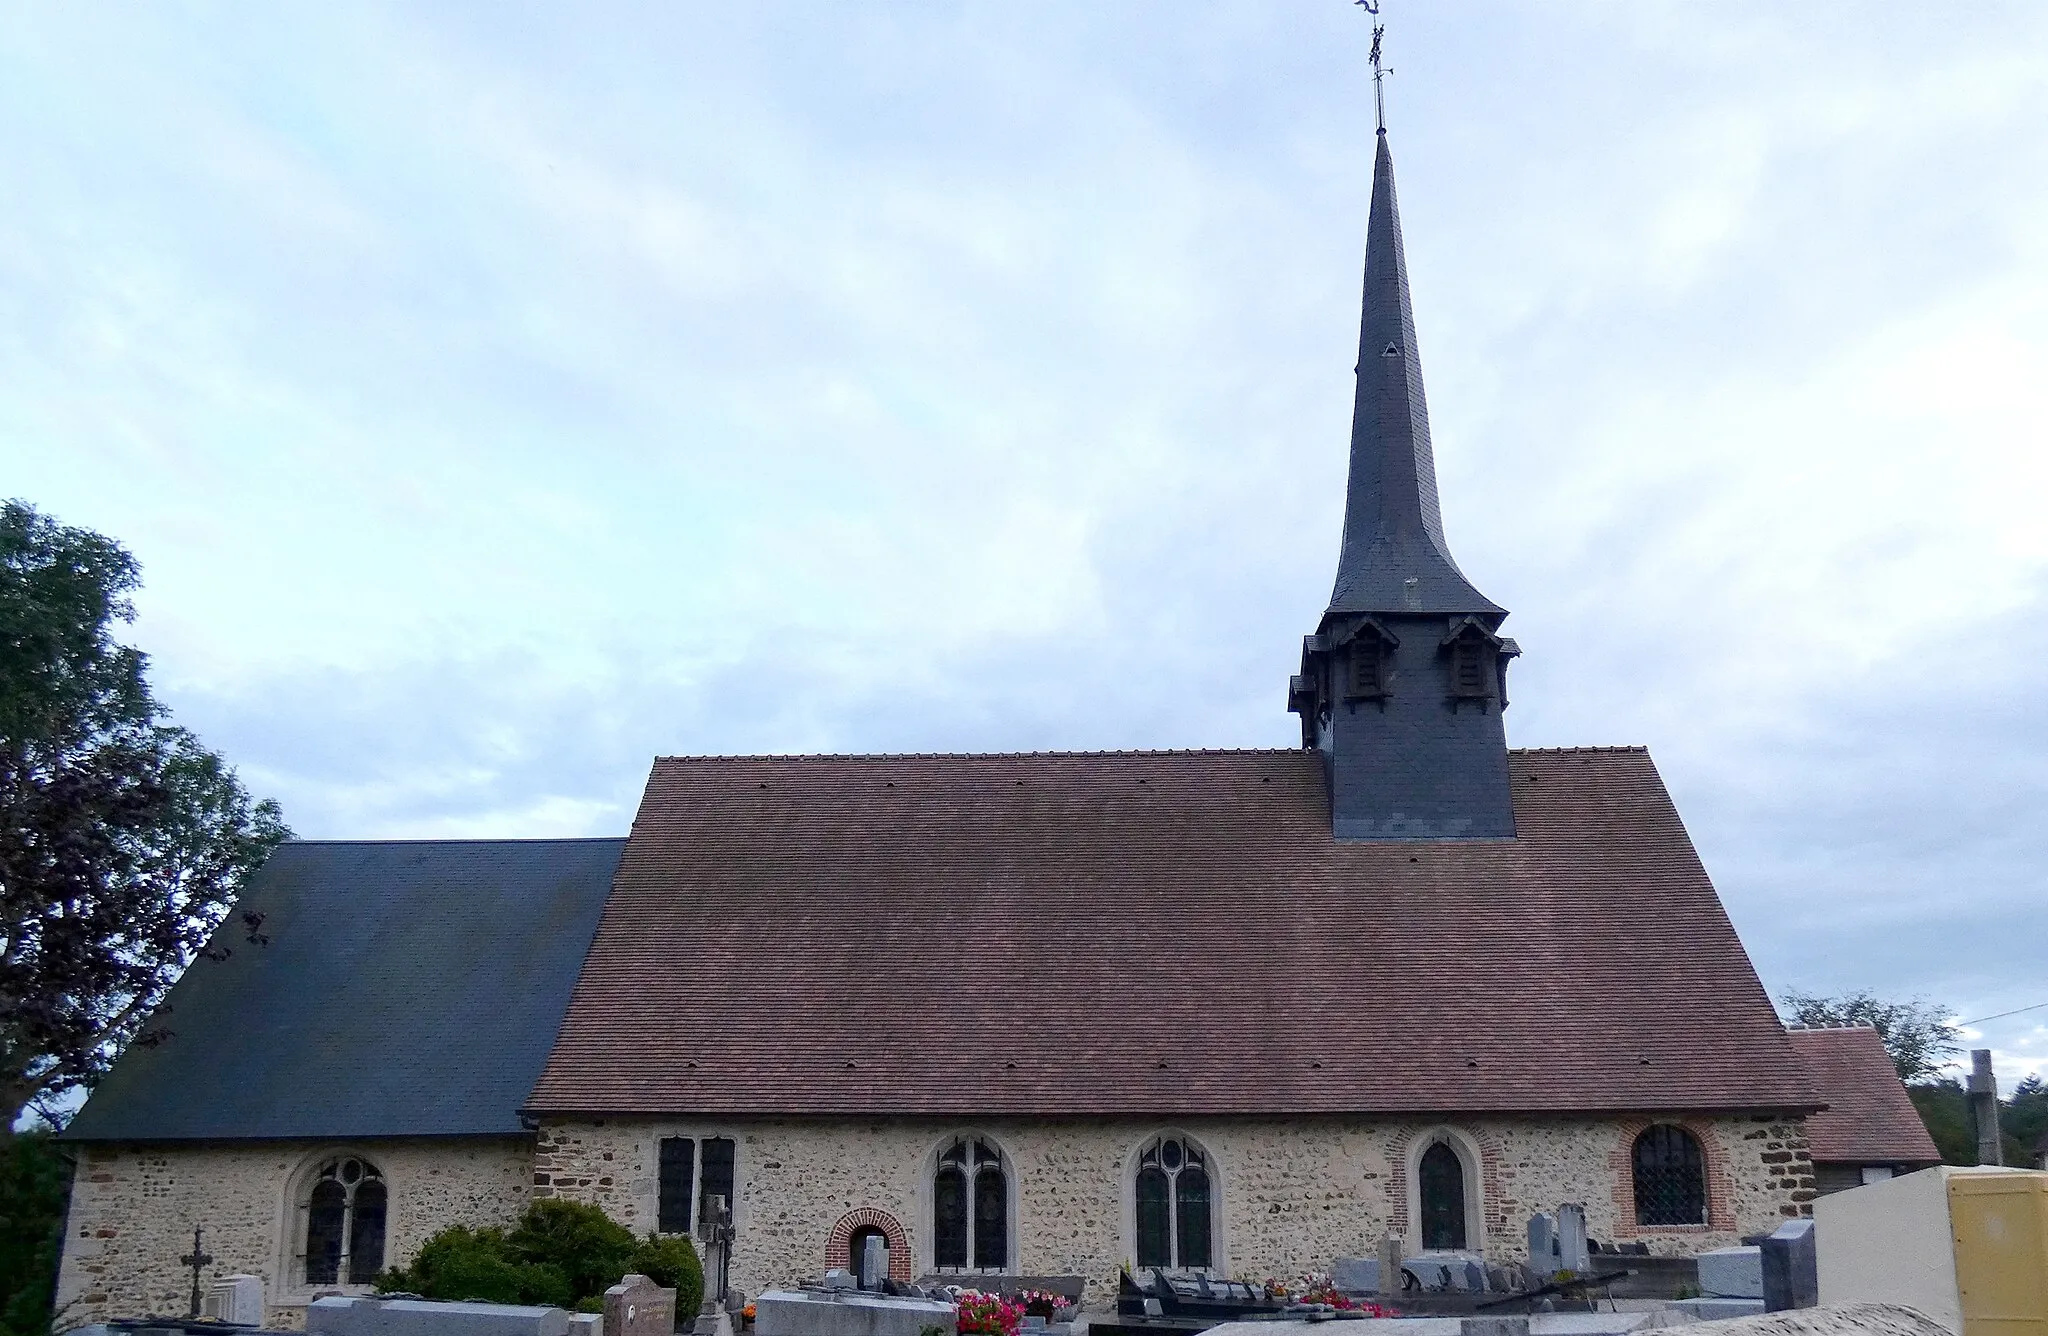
1916,1033
123,841
1945,1107
35,1181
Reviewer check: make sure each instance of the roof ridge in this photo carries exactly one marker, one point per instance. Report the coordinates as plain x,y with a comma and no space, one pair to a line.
982,756
1568,751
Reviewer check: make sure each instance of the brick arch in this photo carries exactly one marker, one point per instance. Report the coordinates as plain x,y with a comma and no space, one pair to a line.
1493,1212
863,1217
1720,1213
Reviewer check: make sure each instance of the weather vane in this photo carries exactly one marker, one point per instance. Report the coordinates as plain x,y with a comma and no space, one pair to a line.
1379,97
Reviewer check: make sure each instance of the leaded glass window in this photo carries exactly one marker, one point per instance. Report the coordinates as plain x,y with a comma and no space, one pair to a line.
1441,1186
689,1174
1172,1206
1670,1177
971,1207
343,1213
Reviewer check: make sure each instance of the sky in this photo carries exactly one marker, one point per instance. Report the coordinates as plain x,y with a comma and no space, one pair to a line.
498,396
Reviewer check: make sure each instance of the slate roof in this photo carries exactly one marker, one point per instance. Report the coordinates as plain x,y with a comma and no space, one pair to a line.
1394,556
1869,1119
409,988
1154,932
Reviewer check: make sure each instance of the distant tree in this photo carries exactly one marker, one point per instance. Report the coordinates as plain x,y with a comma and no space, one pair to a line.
2024,1120
1916,1033
123,841
1944,1108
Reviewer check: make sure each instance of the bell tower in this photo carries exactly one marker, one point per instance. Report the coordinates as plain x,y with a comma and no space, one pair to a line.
1402,685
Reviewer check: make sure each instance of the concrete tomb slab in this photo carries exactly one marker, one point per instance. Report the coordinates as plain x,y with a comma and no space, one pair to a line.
847,1313
344,1316
1713,1309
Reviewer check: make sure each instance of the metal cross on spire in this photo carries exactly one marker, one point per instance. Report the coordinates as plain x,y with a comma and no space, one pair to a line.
1379,75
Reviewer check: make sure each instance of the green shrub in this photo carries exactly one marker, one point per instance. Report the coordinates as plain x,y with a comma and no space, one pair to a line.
590,1247
561,1254
35,1181
671,1262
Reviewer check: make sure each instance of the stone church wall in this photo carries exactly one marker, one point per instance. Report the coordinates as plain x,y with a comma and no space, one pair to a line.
133,1209
1292,1194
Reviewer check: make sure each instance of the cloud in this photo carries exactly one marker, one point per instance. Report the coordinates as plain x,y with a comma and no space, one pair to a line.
497,404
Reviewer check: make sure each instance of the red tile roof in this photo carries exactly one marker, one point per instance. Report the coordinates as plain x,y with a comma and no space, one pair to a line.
1869,1118
1151,932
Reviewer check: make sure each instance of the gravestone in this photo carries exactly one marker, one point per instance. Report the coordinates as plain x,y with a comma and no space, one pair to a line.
839,1278
636,1306
1733,1273
1543,1245
1791,1267
1571,1239
1390,1264
874,1262
1356,1275
236,1300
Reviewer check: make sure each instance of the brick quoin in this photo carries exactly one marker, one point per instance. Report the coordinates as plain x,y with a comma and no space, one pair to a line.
861,1218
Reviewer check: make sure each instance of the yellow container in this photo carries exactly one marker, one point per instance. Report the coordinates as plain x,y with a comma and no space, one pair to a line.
2000,1223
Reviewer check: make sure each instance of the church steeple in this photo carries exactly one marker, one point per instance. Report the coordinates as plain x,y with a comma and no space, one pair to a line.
1393,556
1402,686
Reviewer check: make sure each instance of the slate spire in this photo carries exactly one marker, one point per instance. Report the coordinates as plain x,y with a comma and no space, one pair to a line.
1393,557
1402,685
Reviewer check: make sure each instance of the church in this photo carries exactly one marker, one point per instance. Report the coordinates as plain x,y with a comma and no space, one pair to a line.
1234,1013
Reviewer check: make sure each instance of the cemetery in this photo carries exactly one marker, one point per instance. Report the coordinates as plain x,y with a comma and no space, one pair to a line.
1943,1250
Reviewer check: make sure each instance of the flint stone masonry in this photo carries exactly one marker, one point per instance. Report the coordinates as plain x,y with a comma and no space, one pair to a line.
351,1316
133,1209
1288,1192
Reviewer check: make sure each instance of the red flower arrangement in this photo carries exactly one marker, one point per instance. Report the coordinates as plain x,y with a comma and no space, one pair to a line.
987,1314
1316,1288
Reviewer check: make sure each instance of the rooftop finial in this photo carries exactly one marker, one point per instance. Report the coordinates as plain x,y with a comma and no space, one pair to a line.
1379,97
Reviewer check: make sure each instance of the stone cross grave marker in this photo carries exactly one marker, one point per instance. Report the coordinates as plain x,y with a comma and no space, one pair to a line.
874,1262
1390,1264
636,1306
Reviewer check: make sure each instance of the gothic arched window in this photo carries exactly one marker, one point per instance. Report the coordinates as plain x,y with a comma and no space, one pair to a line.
1171,1207
1670,1177
342,1213
1440,1179
971,1207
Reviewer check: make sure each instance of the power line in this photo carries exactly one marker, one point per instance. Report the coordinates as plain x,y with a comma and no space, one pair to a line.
2003,1014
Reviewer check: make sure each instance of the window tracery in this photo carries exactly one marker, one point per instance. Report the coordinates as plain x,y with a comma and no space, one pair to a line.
970,1207
1172,1194
342,1214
